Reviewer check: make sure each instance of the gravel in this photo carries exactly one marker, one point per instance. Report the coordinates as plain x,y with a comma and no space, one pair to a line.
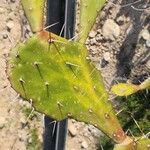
72,129
110,29
145,35
84,145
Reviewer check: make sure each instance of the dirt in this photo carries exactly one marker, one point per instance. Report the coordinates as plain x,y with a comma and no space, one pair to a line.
16,122
122,57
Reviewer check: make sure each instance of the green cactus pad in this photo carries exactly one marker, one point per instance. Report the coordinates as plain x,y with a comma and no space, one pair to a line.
55,74
124,89
137,144
88,13
34,10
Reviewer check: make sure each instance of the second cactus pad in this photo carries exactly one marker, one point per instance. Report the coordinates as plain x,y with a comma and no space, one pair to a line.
55,74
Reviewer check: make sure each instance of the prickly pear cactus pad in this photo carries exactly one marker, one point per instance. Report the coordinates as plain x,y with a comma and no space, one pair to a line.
125,89
55,74
88,12
34,10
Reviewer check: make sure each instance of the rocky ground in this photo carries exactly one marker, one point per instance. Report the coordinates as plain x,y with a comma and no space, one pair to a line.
119,45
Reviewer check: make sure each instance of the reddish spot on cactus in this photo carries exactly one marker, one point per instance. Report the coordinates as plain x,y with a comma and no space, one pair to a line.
119,136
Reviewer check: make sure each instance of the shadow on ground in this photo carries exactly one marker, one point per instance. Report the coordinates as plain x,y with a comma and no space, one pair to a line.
136,11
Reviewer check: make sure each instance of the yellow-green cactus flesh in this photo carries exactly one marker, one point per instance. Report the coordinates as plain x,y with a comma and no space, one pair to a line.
55,74
88,12
124,89
34,10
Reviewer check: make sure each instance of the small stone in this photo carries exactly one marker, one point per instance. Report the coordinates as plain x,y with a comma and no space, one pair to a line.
23,120
3,120
106,56
110,29
84,145
10,24
2,126
92,34
103,63
99,31
120,20
94,49
94,131
72,129
92,41
2,10
145,35
129,29
148,43
30,140
4,35
98,38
